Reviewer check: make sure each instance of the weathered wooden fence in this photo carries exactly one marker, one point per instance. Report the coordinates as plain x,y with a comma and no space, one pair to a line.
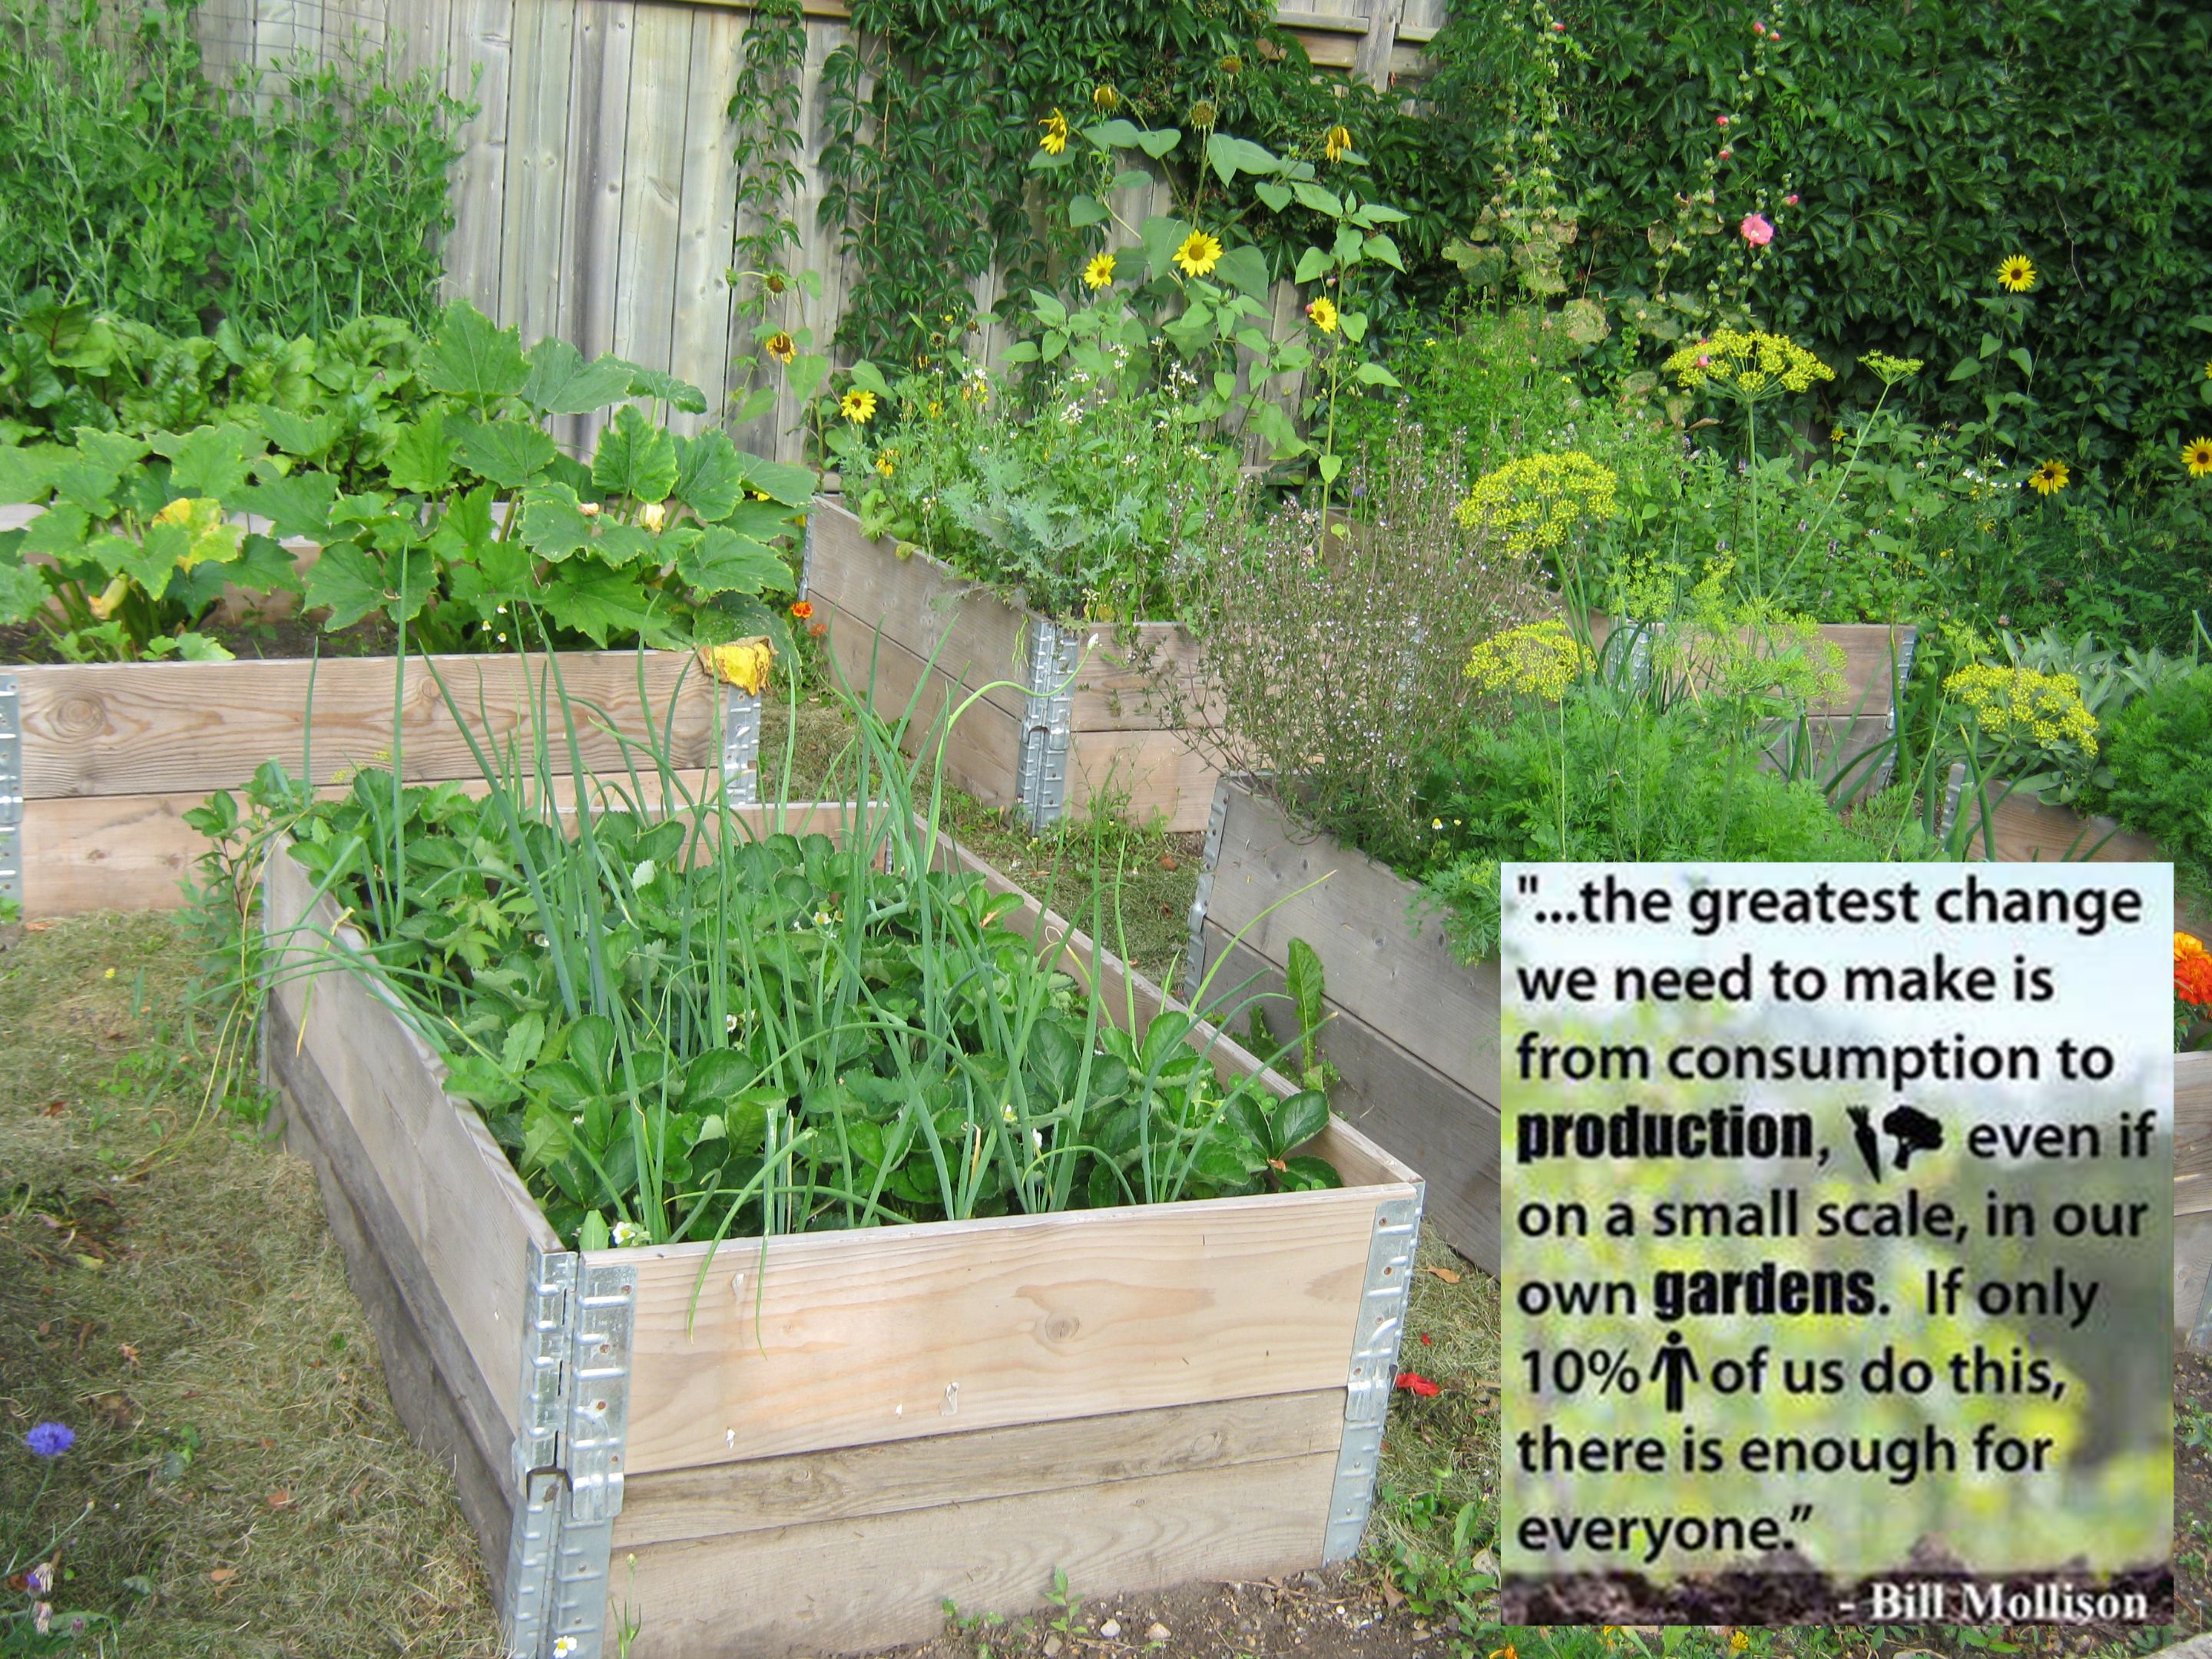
597,196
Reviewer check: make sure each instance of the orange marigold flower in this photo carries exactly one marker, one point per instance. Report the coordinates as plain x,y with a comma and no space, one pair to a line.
803,610
2193,981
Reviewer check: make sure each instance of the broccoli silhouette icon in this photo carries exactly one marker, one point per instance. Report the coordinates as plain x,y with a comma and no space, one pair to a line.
1915,1132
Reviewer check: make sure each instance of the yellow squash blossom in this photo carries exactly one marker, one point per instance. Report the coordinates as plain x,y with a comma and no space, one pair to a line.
1055,133
2197,456
741,662
780,346
1322,314
1099,273
1336,143
858,406
1198,253
2050,478
653,515
2017,274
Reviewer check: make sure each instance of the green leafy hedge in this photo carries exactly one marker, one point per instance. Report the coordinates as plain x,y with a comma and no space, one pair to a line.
1922,143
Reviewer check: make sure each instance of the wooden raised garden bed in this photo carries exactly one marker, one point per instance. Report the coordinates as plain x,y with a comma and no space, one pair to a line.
1064,722
99,762
1412,1030
856,1425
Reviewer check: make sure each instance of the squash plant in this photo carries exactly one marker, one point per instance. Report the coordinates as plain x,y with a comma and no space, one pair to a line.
679,1031
474,515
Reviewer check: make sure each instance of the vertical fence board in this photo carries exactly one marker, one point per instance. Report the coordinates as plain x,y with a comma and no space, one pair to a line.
598,130
641,301
532,228
700,348
479,55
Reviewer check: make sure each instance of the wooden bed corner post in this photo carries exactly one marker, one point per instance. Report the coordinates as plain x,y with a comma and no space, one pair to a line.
578,1324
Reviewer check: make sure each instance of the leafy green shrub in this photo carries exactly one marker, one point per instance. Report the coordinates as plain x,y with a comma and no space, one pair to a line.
353,389
473,520
1609,774
1898,154
1093,501
674,1041
291,198
2159,754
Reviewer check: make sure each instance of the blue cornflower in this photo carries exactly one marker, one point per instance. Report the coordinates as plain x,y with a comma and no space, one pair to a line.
50,1439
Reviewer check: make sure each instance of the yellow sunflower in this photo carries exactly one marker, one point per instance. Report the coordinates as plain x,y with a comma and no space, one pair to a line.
1106,98
1055,133
1322,314
780,346
2197,456
1198,253
858,406
1099,273
2017,274
1336,143
887,462
2050,478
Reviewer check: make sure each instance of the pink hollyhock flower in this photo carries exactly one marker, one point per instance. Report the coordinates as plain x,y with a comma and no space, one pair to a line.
1791,200
1720,120
1756,230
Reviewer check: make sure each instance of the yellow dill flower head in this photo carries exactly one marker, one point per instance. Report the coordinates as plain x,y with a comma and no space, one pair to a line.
1540,659
1099,273
2020,705
1747,364
1322,314
741,662
858,406
2050,478
1336,143
2197,456
1534,503
1054,138
2016,275
1892,370
1198,253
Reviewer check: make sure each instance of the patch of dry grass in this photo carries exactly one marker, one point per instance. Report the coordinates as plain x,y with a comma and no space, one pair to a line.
182,1306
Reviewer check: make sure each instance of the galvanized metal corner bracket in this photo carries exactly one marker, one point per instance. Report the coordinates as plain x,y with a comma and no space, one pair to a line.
1374,1372
1048,722
806,556
1217,822
741,732
579,1323
11,789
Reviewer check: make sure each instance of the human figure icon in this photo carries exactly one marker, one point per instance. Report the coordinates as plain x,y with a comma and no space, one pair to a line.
1672,1365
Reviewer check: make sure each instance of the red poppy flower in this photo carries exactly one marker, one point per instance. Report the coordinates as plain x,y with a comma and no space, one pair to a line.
1414,1383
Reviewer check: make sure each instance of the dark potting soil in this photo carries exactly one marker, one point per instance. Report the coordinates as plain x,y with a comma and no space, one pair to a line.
281,638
